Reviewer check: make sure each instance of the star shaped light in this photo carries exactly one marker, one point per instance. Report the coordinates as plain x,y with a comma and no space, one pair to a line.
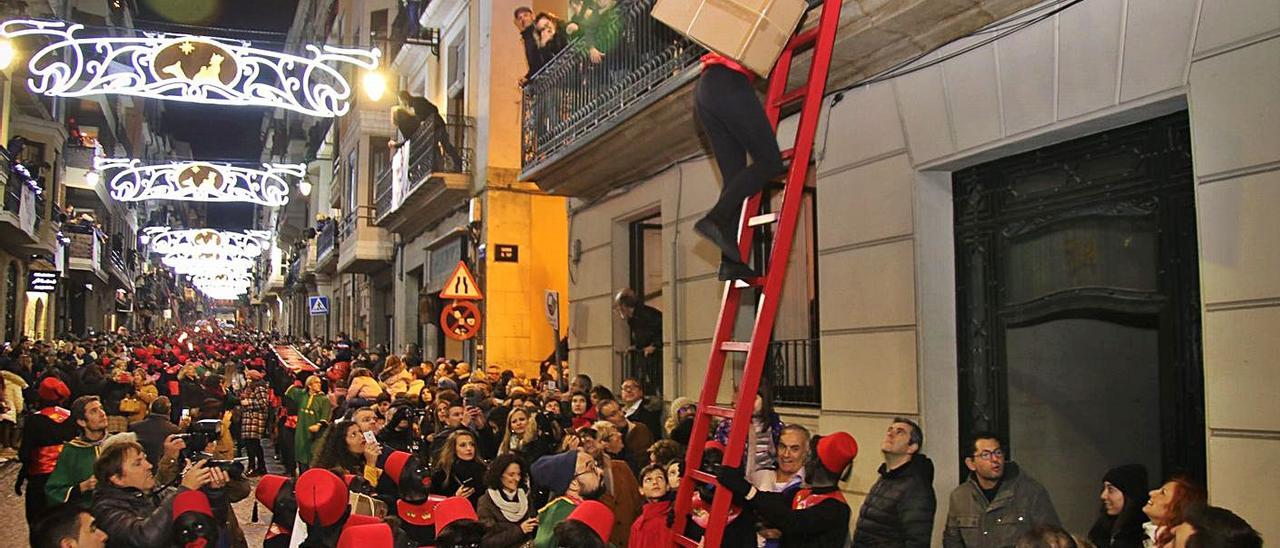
187,47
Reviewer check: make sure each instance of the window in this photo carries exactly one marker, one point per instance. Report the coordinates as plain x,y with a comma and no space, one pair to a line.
792,366
645,276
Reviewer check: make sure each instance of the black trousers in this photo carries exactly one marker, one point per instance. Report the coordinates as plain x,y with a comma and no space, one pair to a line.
736,124
257,459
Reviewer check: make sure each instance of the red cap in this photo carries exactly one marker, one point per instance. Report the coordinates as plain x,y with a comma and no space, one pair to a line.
53,390
191,501
395,464
422,514
268,489
453,509
356,520
597,516
713,444
322,497
836,451
376,535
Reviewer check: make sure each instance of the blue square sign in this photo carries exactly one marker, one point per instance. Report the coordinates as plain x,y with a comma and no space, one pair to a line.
319,306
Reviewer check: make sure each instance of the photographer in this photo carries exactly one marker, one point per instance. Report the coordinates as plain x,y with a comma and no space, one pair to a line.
125,503
344,447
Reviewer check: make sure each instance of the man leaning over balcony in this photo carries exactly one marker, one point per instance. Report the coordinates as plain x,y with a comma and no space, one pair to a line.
416,111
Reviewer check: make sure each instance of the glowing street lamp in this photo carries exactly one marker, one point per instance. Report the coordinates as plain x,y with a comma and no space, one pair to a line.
374,84
7,53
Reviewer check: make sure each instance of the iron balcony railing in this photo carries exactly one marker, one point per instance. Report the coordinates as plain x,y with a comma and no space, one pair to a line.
645,369
571,96
349,224
449,152
12,184
793,367
326,239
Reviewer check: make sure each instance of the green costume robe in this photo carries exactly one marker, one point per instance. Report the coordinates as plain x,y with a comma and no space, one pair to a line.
75,464
549,517
312,409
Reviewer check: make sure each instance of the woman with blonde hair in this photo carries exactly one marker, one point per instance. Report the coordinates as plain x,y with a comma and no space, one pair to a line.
622,489
362,389
459,470
395,376
521,436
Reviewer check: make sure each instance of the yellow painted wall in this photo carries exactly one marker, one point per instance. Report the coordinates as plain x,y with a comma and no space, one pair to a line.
517,335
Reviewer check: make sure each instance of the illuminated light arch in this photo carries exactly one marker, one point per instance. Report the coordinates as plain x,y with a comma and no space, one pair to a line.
206,241
213,263
193,69
199,181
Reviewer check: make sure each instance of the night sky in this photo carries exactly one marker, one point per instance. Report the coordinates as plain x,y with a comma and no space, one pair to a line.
220,133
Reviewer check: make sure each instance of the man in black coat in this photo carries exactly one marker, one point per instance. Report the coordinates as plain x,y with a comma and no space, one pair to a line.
898,510
645,324
153,430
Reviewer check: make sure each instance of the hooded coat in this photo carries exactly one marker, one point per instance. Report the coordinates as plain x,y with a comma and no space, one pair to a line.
899,508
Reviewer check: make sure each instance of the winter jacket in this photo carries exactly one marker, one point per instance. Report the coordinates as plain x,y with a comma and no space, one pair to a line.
13,387
898,510
1020,503
130,517
500,532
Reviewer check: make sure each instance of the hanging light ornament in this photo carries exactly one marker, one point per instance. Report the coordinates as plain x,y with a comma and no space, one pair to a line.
193,69
213,263
199,181
206,241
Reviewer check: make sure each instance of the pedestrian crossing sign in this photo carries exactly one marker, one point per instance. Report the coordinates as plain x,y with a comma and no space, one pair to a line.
461,285
319,306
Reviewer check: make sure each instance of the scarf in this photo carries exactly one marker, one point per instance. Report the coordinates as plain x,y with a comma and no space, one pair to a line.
513,510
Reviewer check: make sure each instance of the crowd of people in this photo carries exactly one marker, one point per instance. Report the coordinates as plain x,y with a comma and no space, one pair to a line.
147,440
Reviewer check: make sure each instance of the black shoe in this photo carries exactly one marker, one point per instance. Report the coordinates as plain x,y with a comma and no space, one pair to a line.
709,229
734,270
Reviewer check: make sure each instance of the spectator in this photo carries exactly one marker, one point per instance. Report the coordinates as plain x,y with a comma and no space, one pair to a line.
550,36
43,437
650,529
664,451
898,510
583,412
636,437
573,476
67,526
1046,536
762,438
12,406
459,470
522,437
622,490
638,407
254,403
1214,527
313,415
793,451
679,424
644,324
524,25
1124,493
72,477
124,505
363,389
431,127
1168,507
343,447
997,492
153,430
505,511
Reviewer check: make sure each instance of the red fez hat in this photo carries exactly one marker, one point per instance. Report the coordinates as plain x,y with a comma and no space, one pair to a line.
395,464
53,390
375,535
713,444
422,514
191,501
836,451
596,515
356,520
322,497
453,509
268,489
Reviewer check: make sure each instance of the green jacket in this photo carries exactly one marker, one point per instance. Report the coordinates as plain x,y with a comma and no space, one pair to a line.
75,464
549,517
312,409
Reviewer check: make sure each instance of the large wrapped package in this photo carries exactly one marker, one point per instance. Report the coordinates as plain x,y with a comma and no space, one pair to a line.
751,32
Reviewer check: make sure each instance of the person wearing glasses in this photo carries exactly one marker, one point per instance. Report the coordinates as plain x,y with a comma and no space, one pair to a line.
998,503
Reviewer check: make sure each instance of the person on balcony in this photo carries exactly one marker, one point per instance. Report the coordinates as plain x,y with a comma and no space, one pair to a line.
524,25
416,114
736,124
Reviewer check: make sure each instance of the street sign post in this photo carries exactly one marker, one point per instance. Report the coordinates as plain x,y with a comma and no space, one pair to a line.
461,285
318,306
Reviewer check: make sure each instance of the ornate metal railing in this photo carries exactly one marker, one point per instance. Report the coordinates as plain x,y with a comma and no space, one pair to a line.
450,152
793,367
646,369
571,96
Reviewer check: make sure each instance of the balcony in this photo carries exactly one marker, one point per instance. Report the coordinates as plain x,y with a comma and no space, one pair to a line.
119,270
424,183
364,247
326,247
589,128
19,218
406,30
84,253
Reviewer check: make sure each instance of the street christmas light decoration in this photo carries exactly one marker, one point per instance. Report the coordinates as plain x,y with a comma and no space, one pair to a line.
199,181
195,241
210,263
196,69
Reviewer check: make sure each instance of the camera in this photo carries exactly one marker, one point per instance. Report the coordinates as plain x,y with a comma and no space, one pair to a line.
199,436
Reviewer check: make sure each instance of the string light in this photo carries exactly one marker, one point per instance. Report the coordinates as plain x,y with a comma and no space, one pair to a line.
205,241
199,181
196,69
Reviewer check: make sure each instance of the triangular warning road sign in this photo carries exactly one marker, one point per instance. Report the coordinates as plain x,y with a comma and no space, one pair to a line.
461,285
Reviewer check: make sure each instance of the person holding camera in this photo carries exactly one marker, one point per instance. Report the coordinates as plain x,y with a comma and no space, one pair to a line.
126,504
345,447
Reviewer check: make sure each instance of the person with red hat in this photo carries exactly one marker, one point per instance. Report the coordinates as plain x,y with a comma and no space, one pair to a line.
193,522
45,432
276,493
818,515
323,509
457,525
588,526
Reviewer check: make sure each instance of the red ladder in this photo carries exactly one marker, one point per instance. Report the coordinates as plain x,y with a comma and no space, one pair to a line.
821,40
